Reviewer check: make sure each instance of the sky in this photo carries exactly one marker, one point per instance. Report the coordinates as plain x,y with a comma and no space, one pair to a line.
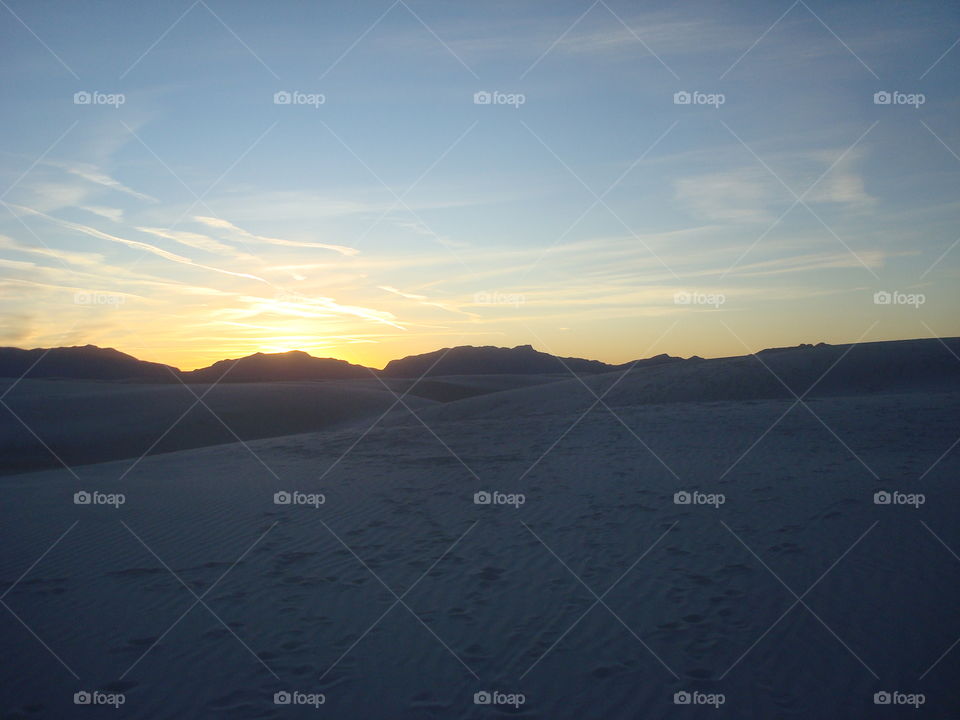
188,182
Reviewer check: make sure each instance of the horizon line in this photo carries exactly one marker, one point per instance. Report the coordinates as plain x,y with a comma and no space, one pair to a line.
501,347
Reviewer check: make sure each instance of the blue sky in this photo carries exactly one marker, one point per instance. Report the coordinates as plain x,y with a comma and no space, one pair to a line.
199,219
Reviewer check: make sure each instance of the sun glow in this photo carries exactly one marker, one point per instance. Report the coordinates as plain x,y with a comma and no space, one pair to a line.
287,343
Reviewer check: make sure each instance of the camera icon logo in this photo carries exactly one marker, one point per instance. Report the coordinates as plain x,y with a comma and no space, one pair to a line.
882,698
482,97
282,97
82,698
82,98
882,497
282,698
681,298
282,498
882,98
482,698
682,498
882,297
482,498
81,498
682,698
682,98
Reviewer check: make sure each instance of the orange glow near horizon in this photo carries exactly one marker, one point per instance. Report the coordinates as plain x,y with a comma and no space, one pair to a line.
377,353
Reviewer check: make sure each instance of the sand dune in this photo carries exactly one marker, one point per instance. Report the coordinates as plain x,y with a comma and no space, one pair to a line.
307,606
86,422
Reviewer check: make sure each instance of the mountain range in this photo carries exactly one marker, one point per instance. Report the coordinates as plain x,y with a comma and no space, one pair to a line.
103,405
90,362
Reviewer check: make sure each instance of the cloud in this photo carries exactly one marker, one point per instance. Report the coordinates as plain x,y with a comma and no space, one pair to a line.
75,258
844,183
742,195
424,300
230,227
53,185
89,267
190,239
810,262
750,194
113,214
303,306
420,228
69,288
92,174
663,33
135,244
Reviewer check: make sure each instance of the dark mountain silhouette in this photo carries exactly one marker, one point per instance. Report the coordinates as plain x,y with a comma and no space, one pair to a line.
88,363
661,359
94,363
262,367
488,360
520,360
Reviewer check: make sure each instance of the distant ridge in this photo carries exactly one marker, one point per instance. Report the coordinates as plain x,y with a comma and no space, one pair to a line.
88,362
94,363
489,360
263,367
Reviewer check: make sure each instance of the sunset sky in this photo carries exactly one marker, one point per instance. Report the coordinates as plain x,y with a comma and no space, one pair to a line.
200,219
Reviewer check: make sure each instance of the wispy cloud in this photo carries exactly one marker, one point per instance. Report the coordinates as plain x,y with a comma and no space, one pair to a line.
424,300
135,244
668,33
112,214
67,256
742,195
306,307
190,239
244,234
97,176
